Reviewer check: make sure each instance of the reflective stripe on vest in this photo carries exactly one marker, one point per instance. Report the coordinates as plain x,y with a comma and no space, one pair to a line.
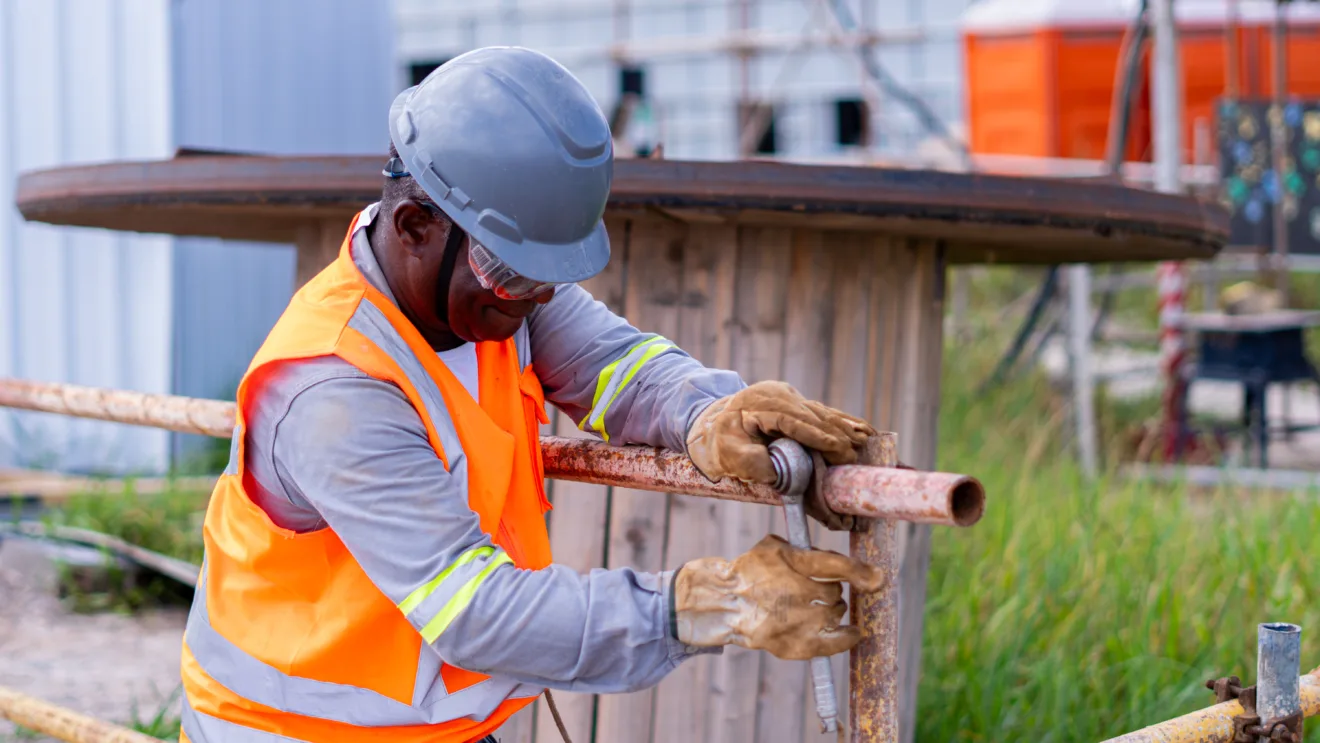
612,380
200,728
254,680
261,664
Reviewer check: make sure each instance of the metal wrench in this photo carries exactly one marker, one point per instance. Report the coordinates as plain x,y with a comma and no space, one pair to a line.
793,473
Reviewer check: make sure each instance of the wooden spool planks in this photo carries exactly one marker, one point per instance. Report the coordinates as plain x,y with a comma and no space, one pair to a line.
848,317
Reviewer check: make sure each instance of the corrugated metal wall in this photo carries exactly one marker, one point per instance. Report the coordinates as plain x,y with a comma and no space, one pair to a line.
89,80
696,94
80,82
288,77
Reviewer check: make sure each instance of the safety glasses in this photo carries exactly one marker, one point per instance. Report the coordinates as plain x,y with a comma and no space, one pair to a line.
492,273
496,276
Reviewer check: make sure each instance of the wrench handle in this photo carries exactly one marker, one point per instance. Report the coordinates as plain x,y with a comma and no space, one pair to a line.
822,677
795,520
827,703
793,470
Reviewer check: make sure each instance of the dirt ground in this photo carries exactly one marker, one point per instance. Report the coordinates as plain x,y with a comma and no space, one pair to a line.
104,665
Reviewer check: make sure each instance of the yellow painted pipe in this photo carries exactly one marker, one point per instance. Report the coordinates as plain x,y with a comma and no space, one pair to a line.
1214,724
62,723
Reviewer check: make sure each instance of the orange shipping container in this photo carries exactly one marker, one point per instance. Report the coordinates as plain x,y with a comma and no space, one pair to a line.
1040,74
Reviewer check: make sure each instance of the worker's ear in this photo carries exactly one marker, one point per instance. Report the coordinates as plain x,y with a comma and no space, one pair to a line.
417,227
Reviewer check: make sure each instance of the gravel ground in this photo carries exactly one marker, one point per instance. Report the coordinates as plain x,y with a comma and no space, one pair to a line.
104,665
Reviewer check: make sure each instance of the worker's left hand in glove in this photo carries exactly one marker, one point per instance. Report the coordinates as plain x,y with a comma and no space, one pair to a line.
731,437
773,597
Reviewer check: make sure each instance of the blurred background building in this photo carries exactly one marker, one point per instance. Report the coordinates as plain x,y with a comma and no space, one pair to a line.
783,77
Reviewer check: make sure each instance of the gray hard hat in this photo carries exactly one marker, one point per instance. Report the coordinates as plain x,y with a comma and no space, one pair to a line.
517,153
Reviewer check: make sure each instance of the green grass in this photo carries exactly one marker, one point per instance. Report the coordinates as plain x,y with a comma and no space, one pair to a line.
163,723
1077,612
168,522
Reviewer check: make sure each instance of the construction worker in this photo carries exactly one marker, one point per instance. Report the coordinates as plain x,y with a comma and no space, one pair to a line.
377,565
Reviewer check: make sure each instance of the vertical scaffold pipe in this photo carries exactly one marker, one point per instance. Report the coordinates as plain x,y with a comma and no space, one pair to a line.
1278,663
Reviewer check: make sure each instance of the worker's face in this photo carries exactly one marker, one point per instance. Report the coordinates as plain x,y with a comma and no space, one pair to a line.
475,313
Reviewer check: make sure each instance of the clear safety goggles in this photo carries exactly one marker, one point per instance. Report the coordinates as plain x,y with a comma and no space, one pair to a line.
496,276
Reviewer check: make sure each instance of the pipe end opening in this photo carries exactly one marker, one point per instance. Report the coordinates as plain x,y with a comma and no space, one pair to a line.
1281,627
968,501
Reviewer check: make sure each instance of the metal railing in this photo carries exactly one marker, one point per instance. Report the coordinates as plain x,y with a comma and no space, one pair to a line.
1275,709
876,493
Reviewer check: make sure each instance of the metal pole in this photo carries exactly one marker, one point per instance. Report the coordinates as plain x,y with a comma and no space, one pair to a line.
1083,379
1278,147
1166,89
962,283
1278,663
873,664
1214,724
1232,60
743,20
868,492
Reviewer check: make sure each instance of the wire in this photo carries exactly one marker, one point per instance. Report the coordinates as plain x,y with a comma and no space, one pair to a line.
1043,296
925,116
1127,90
559,721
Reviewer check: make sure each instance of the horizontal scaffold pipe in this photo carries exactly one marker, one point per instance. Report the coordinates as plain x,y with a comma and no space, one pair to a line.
870,492
61,723
1214,724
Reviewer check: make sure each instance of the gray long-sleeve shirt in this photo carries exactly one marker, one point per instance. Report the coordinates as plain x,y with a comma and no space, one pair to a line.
329,446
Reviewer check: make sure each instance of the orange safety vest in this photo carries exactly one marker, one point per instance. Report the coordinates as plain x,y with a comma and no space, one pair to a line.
287,635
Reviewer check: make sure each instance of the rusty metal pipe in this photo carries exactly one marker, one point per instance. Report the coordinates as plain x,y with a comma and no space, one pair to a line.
62,723
872,492
919,497
1214,724
873,714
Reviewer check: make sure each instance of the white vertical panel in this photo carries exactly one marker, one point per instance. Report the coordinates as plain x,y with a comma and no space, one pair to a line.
94,333
39,283
145,127
78,305
8,222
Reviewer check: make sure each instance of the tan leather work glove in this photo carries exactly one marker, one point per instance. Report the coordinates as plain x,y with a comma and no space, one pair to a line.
772,597
731,436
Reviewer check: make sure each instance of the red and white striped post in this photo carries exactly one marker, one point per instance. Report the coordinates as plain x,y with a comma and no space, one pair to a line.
1166,120
1172,281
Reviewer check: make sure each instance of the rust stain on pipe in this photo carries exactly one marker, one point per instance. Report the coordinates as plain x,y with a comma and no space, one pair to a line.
62,723
867,491
1214,724
642,468
873,663
910,495
859,490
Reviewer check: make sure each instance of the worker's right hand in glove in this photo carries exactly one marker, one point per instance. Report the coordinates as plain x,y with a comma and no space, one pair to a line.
773,597
731,437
